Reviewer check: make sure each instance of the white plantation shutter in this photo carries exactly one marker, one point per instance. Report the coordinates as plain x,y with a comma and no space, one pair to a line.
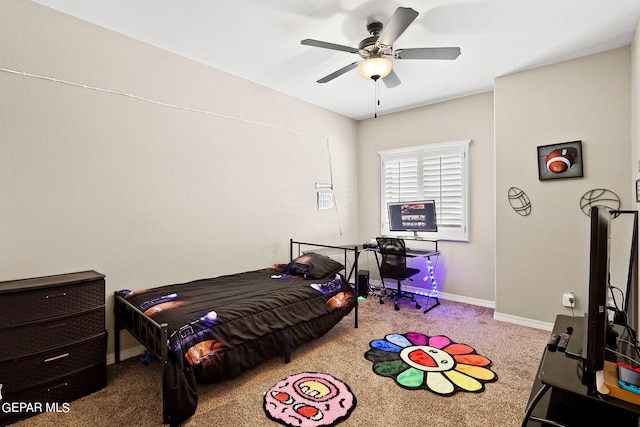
400,179
429,172
442,182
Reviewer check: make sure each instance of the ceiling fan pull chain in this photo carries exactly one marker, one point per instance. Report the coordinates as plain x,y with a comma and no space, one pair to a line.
377,96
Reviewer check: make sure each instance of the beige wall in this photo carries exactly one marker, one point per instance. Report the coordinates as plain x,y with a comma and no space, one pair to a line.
146,193
140,191
541,256
464,270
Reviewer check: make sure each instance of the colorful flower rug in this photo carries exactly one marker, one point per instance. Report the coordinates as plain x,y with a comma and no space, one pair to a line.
436,363
309,399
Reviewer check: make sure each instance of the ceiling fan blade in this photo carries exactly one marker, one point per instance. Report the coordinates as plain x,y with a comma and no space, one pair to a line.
339,72
428,53
326,45
401,19
392,80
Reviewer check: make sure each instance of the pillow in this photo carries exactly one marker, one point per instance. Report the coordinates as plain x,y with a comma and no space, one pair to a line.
296,269
313,266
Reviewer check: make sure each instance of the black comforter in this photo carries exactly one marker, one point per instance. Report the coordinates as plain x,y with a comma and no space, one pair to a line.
223,326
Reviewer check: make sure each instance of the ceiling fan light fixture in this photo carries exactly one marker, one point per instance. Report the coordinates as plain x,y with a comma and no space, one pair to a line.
375,67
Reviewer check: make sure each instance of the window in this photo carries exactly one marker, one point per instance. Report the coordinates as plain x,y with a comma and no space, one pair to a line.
429,172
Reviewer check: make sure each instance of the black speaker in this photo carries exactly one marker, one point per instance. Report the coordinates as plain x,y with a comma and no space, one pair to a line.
363,282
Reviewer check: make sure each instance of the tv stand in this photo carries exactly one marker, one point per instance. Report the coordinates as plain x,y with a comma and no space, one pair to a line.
559,397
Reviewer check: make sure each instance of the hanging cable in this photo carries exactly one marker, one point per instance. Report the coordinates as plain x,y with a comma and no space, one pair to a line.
187,108
335,202
164,104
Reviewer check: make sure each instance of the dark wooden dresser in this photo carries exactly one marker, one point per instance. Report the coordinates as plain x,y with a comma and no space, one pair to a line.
53,343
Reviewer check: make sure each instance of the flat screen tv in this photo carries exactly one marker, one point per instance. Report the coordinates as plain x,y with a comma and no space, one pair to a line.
597,321
415,216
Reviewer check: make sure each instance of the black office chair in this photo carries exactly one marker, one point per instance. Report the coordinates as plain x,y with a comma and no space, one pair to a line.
394,266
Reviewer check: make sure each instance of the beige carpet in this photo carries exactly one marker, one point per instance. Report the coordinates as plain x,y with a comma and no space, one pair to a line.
133,394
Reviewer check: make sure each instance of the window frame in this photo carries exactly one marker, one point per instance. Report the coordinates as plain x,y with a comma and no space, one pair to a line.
417,155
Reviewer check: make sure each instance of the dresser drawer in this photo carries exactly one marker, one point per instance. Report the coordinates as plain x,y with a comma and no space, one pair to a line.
36,304
56,394
25,372
23,340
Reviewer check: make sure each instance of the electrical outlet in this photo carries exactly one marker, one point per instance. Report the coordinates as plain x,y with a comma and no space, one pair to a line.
568,299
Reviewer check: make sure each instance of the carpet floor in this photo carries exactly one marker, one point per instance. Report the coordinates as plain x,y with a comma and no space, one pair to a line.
133,394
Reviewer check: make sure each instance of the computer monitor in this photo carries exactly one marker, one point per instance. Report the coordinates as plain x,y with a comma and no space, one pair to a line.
416,216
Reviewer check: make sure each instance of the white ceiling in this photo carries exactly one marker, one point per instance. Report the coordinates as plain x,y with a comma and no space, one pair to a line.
259,40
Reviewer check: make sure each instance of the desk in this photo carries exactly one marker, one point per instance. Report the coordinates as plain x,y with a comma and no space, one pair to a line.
559,395
413,253
356,249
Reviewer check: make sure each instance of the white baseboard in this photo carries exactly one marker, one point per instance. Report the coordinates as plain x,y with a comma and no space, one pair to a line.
523,321
125,354
443,295
467,300
482,303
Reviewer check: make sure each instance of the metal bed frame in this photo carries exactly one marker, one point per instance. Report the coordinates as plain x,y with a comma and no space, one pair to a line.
344,251
155,336
151,334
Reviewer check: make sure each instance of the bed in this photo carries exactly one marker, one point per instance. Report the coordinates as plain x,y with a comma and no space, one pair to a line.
214,329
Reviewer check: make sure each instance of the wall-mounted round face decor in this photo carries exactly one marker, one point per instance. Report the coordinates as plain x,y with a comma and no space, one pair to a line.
599,197
519,201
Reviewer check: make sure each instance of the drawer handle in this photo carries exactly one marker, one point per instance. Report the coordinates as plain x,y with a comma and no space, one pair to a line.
59,325
61,294
55,387
51,359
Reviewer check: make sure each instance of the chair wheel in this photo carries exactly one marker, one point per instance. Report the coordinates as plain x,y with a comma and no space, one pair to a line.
381,300
418,305
396,306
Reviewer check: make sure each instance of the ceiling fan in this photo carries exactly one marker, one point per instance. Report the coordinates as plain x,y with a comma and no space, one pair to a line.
376,50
